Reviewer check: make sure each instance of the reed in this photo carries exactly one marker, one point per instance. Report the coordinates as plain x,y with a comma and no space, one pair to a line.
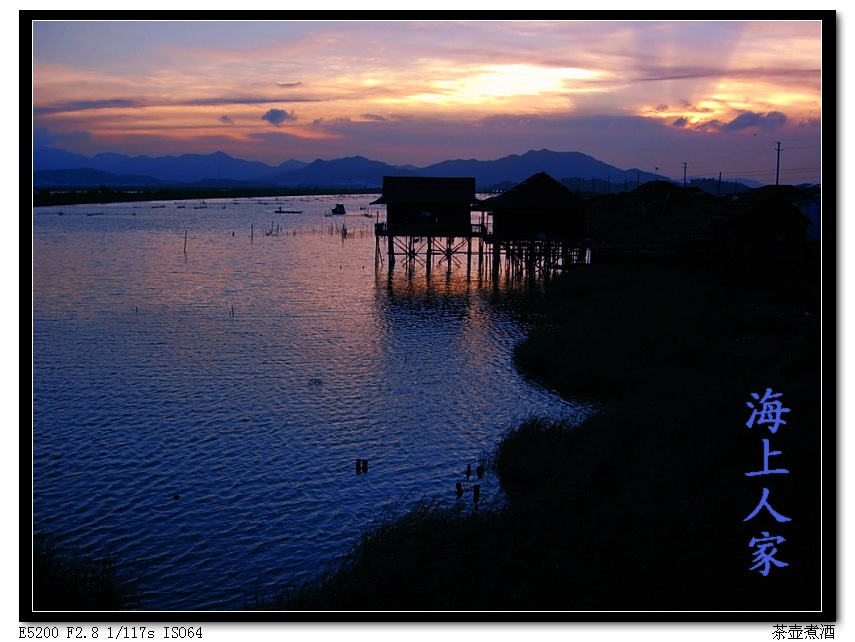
66,578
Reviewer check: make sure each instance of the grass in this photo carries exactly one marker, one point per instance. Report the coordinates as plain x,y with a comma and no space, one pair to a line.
641,507
66,578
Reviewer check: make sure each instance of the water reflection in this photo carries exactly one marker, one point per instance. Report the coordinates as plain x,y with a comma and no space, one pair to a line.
246,376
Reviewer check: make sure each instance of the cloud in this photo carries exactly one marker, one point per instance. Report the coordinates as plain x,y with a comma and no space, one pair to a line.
227,120
83,105
44,137
278,116
768,122
289,85
746,120
375,118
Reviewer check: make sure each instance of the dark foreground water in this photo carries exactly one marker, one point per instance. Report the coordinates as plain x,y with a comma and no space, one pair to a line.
200,412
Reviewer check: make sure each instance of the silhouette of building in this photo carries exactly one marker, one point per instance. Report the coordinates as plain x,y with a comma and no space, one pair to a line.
428,218
761,227
539,226
428,206
540,208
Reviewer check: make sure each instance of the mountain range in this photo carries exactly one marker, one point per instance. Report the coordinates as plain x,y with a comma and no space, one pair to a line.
58,168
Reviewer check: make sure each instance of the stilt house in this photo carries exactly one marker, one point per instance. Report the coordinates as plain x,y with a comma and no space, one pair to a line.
540,208
760,227
428,206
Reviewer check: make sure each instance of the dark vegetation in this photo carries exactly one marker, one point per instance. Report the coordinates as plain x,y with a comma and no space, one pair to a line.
642,506
66,578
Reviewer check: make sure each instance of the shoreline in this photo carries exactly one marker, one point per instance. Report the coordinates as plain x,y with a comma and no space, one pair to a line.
641,507
45,197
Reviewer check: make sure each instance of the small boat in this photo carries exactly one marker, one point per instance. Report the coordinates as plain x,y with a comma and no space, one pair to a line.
338,210
281,211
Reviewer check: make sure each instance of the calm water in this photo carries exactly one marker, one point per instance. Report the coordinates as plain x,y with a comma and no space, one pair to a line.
246,376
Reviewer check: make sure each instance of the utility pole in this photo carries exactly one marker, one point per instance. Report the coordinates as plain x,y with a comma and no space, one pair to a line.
778,165
684,174
718,187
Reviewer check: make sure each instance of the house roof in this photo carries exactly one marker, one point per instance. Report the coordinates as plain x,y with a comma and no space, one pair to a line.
764,208
413,190
539,191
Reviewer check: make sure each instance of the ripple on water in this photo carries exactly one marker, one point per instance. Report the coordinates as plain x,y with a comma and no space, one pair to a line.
246,377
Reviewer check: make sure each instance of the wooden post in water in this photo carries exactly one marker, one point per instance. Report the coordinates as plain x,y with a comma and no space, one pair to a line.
496,259
429,254
185,241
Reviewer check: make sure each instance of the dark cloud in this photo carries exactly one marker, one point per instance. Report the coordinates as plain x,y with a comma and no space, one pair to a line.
768,122
115,103
375,117
83,105
810,122
289,85
695,109
227,120
241,100
278,116
689,73
44,137
680,122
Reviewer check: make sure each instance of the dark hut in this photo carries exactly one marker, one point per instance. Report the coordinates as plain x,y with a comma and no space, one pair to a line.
428,206
760,227
539,208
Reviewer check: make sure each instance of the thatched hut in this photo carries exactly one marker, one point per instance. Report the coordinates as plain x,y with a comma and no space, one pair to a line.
539,208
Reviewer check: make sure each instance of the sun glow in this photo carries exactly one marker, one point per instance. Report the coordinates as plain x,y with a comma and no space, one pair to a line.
504,83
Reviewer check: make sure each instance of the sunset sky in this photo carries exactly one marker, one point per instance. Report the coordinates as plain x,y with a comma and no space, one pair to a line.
717,96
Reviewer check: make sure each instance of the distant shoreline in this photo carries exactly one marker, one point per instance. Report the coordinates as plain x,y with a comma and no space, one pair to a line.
50,198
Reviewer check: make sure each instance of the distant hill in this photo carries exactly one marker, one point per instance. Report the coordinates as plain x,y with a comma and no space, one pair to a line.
354,172
85,178
49,158
517,168
187,168
56,167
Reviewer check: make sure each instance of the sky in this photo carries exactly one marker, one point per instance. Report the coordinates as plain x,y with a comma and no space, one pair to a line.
201,88
715,96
